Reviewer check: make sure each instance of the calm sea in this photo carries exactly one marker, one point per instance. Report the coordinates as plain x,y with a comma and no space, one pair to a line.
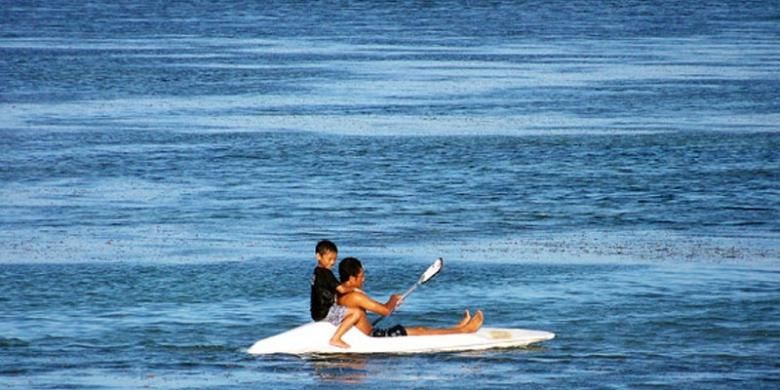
608,171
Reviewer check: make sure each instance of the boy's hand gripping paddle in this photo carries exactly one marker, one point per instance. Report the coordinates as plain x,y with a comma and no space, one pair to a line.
429,273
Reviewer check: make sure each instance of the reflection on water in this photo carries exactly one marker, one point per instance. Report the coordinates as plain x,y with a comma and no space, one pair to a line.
346,369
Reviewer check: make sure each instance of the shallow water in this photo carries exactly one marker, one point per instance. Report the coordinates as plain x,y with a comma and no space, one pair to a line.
608,173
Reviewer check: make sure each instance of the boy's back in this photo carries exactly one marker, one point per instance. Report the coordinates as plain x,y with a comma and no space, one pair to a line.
323,292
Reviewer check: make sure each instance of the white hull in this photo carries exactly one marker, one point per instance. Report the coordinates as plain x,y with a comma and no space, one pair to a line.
312,338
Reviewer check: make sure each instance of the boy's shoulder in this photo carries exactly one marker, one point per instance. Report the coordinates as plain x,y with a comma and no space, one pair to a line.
324,277
322,271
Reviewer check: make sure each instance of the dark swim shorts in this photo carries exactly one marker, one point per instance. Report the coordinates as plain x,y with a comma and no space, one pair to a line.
395,331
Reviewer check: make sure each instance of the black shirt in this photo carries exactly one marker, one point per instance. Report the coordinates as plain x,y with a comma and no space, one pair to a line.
323,292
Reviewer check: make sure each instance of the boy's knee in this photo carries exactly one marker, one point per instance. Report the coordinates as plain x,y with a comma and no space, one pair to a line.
354,312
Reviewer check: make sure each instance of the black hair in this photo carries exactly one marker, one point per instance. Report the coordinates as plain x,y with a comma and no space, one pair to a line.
325,246
348,267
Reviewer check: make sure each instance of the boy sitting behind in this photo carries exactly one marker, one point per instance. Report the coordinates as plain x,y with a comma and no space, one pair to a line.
324,288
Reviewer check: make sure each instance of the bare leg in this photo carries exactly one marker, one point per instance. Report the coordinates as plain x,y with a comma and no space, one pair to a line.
475,323
471,326
465,320
352,318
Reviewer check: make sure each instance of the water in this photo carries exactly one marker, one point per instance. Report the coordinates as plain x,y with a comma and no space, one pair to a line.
606,172
172,326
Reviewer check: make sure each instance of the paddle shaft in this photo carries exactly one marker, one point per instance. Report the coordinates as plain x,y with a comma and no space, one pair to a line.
409,291
429,273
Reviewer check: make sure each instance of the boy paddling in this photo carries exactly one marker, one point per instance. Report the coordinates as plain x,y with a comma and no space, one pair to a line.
324,290
353,276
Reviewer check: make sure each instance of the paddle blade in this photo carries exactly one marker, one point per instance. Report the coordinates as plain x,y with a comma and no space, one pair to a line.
432,271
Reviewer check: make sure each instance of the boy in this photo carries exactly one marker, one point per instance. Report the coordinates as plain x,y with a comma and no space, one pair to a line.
324,288
353,276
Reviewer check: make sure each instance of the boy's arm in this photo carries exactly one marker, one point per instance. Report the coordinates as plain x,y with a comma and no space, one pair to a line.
365,302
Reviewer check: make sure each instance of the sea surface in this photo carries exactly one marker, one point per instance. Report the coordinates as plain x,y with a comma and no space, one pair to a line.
607,171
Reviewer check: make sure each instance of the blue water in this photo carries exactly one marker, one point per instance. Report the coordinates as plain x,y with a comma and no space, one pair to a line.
608,172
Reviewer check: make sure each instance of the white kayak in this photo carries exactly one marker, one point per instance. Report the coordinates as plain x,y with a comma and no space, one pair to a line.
312,338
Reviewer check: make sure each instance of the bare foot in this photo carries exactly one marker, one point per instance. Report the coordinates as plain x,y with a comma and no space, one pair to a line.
475,323
465,320
339,343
